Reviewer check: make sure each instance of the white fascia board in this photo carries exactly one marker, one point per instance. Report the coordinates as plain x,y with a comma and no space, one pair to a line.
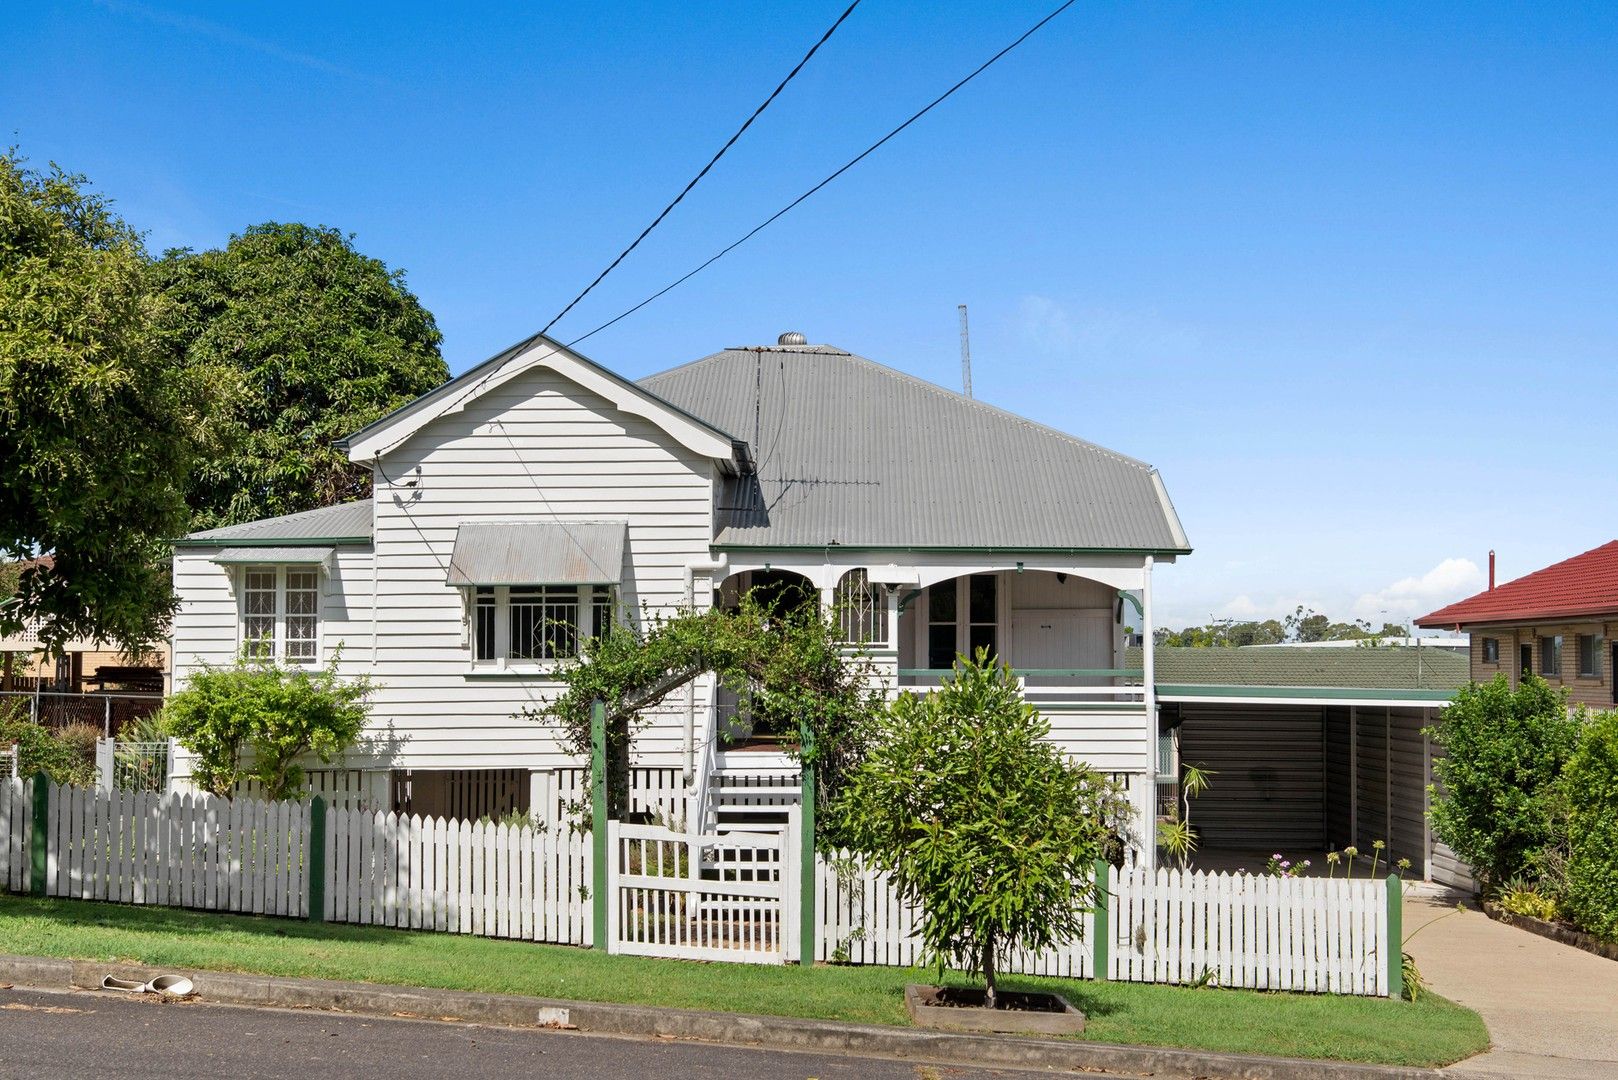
623,395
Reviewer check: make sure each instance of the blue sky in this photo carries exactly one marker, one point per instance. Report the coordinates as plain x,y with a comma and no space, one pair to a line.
1344,273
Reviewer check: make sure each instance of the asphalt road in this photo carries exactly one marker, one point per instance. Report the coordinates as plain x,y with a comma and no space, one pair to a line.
105,1036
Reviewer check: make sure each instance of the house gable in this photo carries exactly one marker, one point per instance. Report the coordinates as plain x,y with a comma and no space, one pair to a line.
375,441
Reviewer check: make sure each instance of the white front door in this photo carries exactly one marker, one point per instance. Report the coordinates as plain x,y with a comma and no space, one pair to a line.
1062,638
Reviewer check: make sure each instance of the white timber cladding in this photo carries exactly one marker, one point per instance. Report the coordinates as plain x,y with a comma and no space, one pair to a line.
540,448
211,623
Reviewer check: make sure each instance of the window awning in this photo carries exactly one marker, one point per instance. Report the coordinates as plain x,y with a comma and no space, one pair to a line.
538,553
279,556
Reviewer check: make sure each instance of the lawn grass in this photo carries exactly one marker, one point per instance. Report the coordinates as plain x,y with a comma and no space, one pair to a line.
1432,1031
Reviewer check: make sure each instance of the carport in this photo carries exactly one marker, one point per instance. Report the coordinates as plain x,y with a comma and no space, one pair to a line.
1312,750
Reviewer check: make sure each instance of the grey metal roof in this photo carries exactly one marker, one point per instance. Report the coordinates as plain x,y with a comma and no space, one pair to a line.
236,555
852,453
538,553
350,522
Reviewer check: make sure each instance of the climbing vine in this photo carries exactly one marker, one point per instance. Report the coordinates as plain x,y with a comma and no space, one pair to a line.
787,667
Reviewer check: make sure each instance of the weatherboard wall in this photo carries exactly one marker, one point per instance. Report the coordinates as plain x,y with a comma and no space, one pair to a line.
537,448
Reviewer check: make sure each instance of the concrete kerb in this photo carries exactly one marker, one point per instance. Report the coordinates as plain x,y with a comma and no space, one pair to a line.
765,1032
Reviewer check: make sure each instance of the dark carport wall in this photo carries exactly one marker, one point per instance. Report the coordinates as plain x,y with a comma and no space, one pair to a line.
1309,753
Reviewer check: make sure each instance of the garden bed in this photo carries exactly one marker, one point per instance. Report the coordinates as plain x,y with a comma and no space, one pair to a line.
1567,935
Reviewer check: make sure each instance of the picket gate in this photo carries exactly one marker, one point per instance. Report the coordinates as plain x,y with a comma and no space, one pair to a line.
16,812
725,895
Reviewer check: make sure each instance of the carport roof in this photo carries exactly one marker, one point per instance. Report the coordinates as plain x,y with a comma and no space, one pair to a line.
1393,671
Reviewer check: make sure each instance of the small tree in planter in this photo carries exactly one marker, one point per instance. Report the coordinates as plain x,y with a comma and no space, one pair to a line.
985,825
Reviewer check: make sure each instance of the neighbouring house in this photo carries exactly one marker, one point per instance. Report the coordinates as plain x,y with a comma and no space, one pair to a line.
1556,623
523,504
1313,749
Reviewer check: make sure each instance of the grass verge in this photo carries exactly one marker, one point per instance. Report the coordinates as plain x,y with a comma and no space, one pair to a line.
1432,1031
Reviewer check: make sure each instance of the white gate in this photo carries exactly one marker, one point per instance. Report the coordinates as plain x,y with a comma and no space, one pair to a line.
726,895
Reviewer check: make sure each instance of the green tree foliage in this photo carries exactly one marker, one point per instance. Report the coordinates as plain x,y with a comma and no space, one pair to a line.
786,664
1495,801
982,822
1591,787
320,341
62,756
1304,625
255,719
98,426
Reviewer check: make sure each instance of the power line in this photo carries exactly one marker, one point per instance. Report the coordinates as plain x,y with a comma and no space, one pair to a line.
711,163
861,156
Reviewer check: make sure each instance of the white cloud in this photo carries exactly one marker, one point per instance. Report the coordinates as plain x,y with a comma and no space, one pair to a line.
1409,597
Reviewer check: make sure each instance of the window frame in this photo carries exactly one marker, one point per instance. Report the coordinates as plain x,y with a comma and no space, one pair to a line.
1595,643
281,614
1548,669
1491,651
489,608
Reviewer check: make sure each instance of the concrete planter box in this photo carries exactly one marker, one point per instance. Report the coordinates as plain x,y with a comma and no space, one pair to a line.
1018,1014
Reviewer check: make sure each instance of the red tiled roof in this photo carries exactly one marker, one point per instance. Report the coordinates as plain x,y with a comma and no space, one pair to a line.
1583,585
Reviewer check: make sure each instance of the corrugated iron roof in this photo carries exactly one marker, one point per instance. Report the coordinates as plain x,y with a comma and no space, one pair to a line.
538,553
1383,667
349,522
1586,584
852,453
301,554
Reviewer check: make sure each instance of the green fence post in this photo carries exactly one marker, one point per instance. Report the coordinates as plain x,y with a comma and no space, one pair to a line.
806,844
36,842
1396,939
598,823
315,865
1099,930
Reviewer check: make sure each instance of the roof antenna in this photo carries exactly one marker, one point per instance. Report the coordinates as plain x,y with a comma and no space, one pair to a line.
966,355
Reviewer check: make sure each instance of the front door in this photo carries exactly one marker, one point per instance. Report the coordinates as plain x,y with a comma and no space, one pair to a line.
1526,666
1061,639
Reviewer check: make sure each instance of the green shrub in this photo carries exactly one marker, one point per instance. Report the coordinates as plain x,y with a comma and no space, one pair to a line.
1592,864
256,720
41,750
1504,751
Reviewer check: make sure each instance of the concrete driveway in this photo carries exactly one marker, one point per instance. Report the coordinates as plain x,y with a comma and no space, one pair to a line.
1552,1010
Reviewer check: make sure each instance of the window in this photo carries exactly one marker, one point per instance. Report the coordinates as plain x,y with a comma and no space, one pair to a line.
1590,656
536,622
862,609
941,609
983,613
281,613
1491,650
1550,656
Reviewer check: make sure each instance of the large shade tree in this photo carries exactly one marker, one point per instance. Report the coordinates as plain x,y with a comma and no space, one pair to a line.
319,339
98,425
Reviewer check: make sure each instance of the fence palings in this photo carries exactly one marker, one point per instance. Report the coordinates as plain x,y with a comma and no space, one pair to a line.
1164,926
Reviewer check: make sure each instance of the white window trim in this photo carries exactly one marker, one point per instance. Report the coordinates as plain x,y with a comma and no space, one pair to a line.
502,662
279,643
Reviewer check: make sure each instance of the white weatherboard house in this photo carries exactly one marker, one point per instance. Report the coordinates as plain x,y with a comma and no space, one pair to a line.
523,503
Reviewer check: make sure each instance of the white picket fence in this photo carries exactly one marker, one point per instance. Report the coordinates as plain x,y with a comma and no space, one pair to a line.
460,877
1168,926
16,811
141,847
